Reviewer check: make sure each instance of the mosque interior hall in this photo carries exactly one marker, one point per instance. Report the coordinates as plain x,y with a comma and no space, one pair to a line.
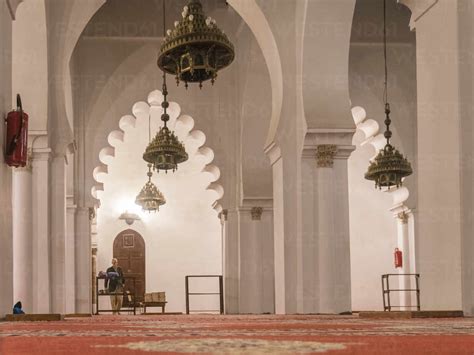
237,176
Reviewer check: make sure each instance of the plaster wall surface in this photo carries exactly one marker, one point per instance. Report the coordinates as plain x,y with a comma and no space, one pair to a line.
439,155
6,242
30,43
373,226
183,238
466,40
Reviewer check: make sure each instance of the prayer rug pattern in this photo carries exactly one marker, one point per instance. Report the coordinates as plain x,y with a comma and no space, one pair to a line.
240,334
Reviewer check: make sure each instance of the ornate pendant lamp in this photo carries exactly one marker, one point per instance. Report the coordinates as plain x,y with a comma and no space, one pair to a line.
389,166
150,198
196,49
165,151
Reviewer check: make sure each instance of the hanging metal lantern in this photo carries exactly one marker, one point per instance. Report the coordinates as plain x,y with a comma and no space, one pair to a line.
165,151
150,198
196,49
389,166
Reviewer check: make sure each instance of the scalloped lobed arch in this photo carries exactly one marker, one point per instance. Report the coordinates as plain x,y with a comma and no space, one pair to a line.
183,125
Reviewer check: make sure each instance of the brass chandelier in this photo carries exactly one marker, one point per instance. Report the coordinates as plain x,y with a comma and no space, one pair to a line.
165,151
150,198
389,166
196,49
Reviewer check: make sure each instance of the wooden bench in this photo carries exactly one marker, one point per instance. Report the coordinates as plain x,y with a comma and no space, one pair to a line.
154,299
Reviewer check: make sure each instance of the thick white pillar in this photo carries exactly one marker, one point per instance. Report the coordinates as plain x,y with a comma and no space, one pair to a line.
22,237
58,234
325,236
83,259
6,232
274,153
439,160
231,261
403,245
256,285
41,230
70,266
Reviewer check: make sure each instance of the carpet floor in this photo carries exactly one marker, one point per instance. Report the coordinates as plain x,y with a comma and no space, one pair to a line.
266,334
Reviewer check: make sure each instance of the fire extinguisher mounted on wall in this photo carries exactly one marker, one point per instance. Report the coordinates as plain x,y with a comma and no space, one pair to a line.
398,258
16,150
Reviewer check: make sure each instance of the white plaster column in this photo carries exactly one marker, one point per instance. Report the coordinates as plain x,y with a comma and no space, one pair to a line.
274,153
256,285
70,267
6,231
83,259
466,40
22,237
325,235
403,244
41,228
231,261
439,243
406,244
58,234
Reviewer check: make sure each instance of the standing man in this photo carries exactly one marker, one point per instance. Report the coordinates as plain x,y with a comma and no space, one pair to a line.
115,281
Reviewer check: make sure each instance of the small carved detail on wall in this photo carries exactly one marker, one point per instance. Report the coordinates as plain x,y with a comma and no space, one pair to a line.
223,215
256,213
325,155
403,217
91,213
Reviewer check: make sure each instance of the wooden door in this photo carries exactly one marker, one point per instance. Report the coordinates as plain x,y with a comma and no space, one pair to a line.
129,249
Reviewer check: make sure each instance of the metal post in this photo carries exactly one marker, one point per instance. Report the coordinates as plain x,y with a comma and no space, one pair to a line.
383,293
186,290
388,294
221,294
418,305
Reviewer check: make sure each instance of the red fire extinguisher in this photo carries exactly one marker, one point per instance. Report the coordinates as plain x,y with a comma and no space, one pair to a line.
16,153
398,258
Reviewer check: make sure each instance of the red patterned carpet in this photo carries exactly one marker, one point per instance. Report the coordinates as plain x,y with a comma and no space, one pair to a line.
238,335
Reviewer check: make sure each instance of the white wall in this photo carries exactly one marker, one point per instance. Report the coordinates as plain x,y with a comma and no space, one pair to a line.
183,238
6,245
373,226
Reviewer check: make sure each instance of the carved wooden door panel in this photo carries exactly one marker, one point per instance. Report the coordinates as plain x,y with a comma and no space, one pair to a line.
129,249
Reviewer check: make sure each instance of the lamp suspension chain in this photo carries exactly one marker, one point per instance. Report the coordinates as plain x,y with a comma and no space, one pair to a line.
165,116
388,121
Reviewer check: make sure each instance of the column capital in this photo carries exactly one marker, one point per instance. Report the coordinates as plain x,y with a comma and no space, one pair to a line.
256,213
92,213
223,215
325,154
328,144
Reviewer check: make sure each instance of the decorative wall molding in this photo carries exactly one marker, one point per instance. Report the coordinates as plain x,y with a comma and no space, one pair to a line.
418,9
249,202
256,213
341,138
223,215
12,6
325,154
403,217
92,213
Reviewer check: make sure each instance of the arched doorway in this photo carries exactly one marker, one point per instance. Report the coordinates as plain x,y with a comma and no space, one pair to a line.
129,249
